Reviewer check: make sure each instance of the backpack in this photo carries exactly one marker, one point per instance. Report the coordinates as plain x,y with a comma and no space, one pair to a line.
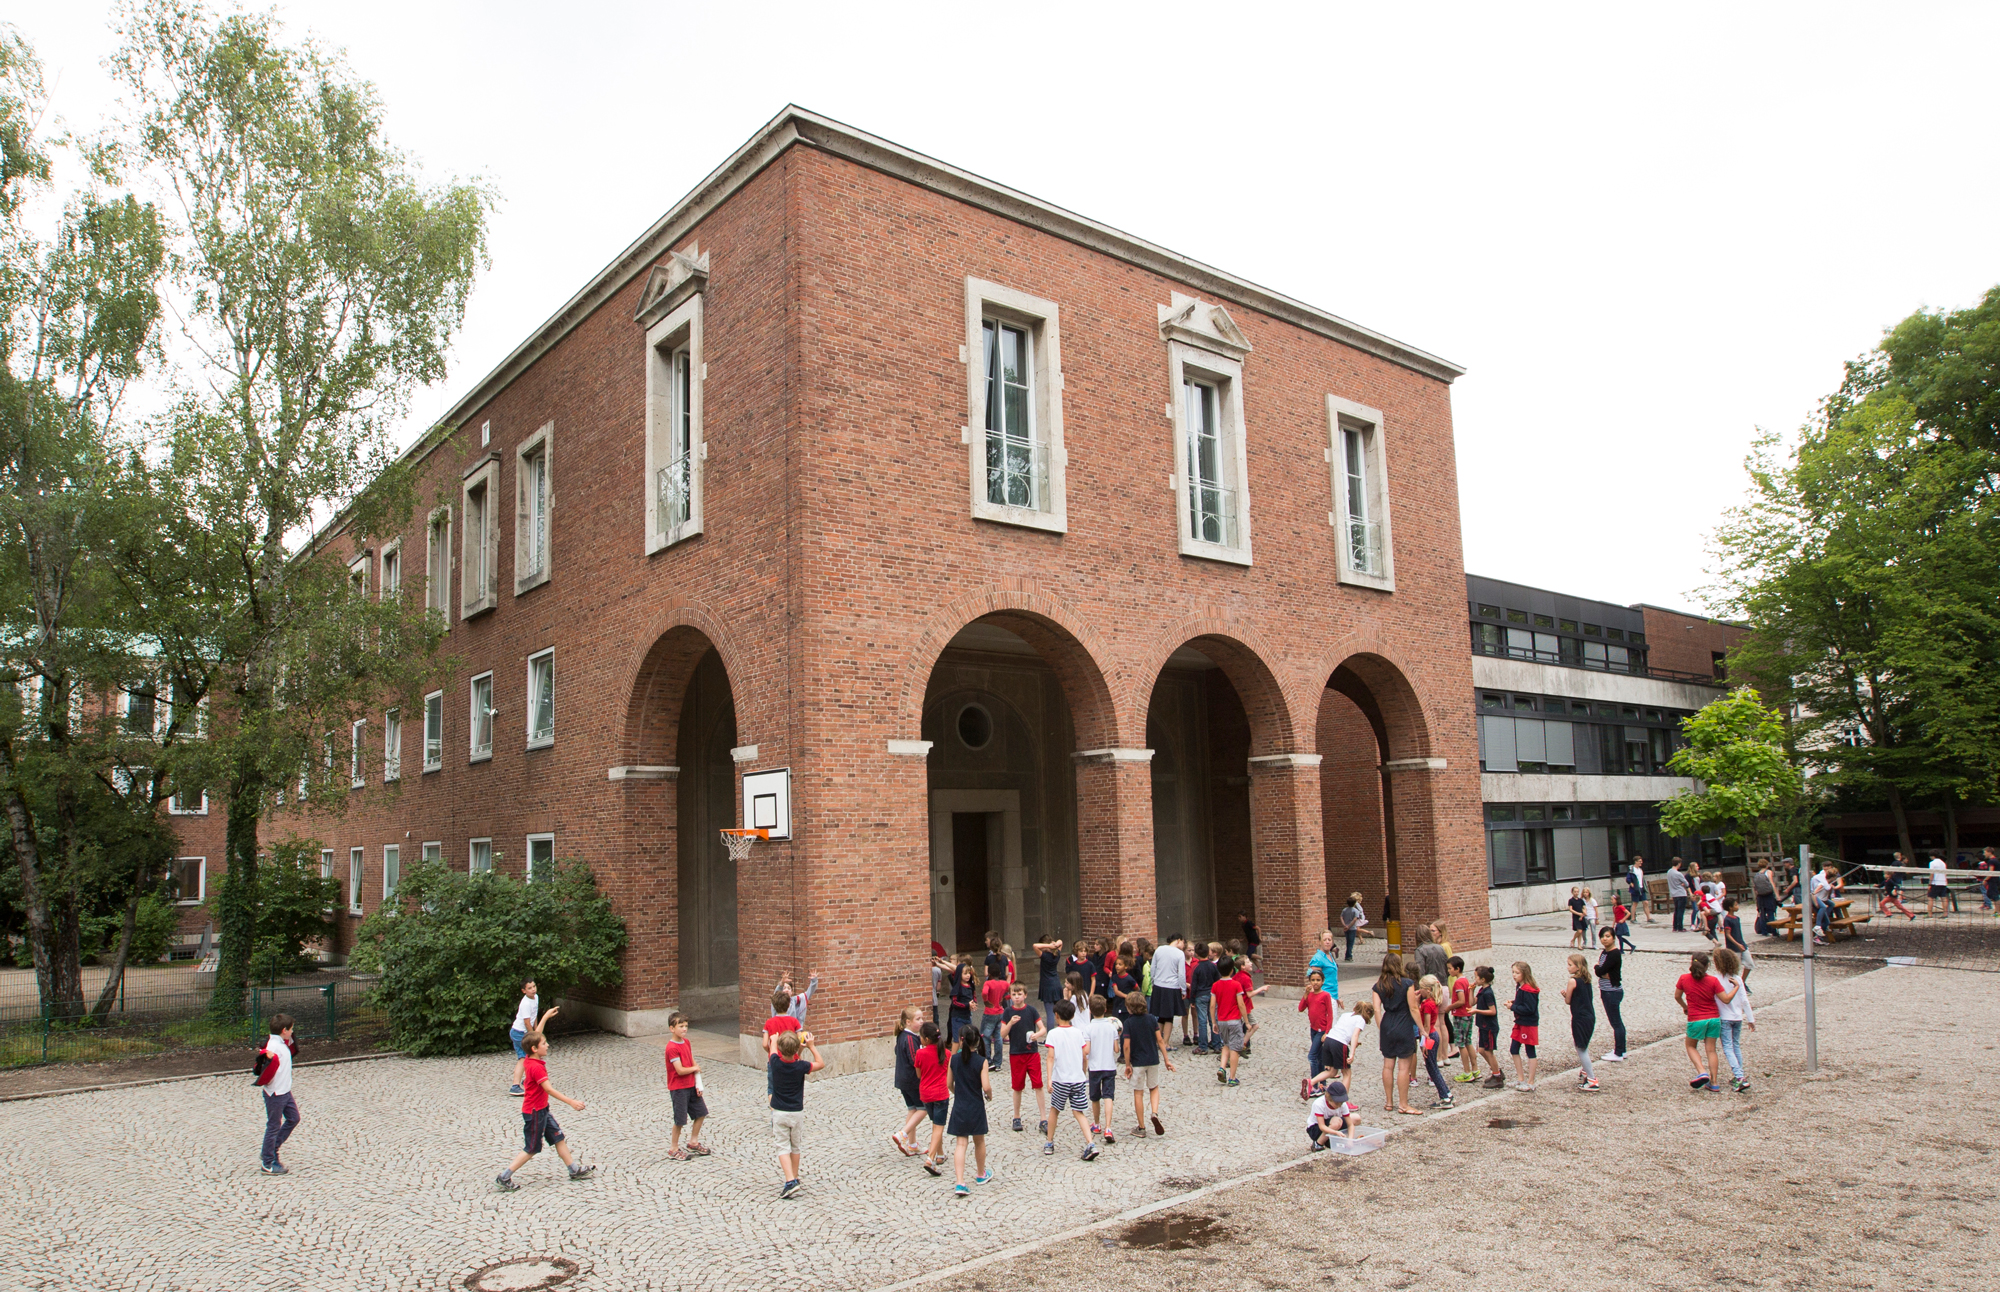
264,1064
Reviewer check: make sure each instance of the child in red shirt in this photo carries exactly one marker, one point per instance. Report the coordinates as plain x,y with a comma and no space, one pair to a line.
1317,1006
538,1127
933,1064
684,1088
1461,1020
1621,915
993,992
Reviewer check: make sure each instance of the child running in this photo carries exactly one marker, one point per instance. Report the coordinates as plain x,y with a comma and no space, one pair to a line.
1486,1018
684,1089
1069,1083
538,1125
1025,1029
1732,1008
1527,1010
971,1087
1582,1017
1143,1062
908,1084
1695,993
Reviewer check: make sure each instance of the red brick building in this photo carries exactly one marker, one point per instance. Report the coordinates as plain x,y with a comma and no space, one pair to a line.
1024,575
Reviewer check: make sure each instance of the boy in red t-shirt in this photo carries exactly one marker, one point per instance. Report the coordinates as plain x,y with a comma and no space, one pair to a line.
993,992
684,1088
538,1127
1245,967
1227,996
1461,1020
1317,1005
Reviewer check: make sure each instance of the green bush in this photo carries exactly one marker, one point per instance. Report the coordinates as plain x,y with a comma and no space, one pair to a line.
293,899
454,949
152,929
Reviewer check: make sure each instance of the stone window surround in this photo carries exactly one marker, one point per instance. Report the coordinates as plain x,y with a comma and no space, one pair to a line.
437,539
392,553
1346,414
201,883
536,573
1183,361
474,599
679,328
1042,320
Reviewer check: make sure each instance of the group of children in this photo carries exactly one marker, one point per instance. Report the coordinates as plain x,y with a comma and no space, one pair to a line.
1583,920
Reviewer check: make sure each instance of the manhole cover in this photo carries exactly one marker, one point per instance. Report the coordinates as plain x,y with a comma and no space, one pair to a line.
523,1274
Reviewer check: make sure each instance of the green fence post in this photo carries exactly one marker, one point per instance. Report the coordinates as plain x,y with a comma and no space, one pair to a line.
332,1010
45,1032
256,1013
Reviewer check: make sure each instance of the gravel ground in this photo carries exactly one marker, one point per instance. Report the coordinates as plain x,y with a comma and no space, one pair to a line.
1877,1173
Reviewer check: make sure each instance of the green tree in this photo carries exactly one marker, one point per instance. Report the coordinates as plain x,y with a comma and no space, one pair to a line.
1750,787
1867,559
453,950
78,317
295,906
322,282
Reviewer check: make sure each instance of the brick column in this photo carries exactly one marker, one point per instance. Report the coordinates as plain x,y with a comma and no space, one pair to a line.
1114,842
1288,862
1350,788
1440,863
643,882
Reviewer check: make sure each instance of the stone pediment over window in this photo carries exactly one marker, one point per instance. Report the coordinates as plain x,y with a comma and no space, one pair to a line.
1202,325
672,281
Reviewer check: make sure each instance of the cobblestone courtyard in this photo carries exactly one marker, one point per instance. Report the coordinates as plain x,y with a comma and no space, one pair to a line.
158,1187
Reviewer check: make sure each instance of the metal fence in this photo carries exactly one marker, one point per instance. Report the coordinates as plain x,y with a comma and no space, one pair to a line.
159,1022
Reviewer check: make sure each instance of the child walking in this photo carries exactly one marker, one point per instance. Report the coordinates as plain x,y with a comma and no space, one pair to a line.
1025,1030
684,1090
1069,1083
1695,993
933,1064
1144,1058
1430,1010
908,1084
971,1087
788,1102
1527,1010
538,1125
1621,923
1732,1007
274,1075
1106,1034
1582,1017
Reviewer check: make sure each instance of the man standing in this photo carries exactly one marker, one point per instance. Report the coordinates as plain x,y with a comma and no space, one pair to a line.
1677,888
1635,883
1764,887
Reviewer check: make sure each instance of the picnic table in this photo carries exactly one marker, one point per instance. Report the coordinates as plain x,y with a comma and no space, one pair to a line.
1844,919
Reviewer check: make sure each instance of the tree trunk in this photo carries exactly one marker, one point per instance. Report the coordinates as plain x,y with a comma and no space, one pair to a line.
27,855
1951,831
1902,825
236,907
116,978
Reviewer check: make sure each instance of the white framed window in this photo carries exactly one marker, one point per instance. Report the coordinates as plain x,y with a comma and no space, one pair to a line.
478,563
186,802
534,496
1014,426
326,869
434,731
355,863
392,570
437,563
392,746
675,372
392,869
479,857
542,699
1205,352
541,857
358,733
434,851
485,434
482,717
190,881
1358,456
139,706
357,575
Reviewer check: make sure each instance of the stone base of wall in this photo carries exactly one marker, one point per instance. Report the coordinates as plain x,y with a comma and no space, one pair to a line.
1541,899
625,1022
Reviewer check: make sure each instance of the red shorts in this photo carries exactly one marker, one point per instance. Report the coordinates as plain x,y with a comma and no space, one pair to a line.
1026,1067
1527,1035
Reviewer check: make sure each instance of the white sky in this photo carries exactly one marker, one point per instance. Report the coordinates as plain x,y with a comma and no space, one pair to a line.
1644,232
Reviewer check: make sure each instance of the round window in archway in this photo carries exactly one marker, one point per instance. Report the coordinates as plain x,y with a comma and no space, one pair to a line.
975,727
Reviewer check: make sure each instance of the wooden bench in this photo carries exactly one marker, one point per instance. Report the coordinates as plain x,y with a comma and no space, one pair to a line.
1849,923
1656,897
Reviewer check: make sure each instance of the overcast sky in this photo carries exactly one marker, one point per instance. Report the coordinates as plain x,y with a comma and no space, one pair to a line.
1643,232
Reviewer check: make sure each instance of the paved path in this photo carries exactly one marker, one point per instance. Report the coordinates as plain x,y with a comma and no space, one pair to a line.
393,1167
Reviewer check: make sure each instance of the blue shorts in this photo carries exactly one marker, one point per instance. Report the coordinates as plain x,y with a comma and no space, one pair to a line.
1104,1084
516,1035
539,1128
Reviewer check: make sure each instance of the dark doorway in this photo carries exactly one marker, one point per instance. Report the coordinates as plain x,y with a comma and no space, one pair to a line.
969,832
707,802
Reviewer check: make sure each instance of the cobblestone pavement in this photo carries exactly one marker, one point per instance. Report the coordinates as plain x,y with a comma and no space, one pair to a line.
393,1166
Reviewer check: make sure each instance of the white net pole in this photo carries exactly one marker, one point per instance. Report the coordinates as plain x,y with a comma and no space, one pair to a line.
1806,935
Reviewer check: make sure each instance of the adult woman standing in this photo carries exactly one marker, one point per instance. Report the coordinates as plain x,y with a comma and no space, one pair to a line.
1328,965
1611,990
1396,1006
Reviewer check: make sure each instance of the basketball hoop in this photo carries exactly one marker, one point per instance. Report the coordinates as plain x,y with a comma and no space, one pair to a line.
739,842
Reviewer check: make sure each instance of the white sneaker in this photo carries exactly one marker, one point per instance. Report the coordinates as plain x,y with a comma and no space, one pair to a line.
1611,1058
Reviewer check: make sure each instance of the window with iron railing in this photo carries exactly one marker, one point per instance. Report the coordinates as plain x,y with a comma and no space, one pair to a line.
434,731
1211,502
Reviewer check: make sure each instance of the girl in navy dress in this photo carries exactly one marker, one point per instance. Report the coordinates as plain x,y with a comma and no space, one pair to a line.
971,1087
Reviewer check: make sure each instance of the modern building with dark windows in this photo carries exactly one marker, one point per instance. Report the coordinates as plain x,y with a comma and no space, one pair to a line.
1580,704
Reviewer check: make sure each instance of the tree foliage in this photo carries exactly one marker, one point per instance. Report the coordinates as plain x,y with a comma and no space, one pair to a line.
453,950
1867,559
295,905
1736,749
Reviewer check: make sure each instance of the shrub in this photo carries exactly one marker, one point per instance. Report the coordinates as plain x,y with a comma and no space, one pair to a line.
153,927
453,950
293,900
